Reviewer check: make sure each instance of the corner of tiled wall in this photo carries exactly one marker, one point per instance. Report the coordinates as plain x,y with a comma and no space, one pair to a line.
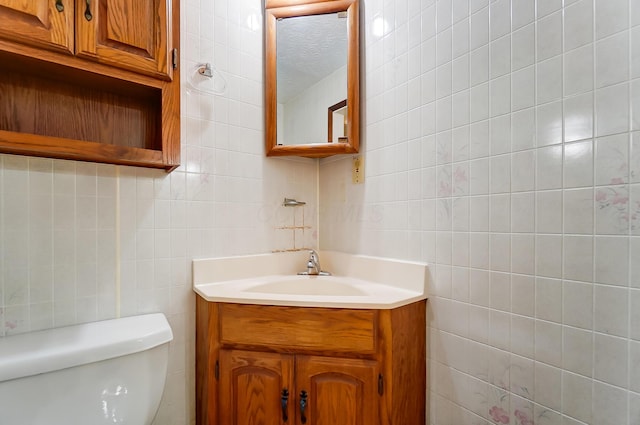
502,149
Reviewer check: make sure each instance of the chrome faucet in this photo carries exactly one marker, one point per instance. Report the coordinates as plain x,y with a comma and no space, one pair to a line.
313,266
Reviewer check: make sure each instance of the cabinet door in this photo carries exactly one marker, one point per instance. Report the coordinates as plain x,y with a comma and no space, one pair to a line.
338,391
130,34
251,388
45,23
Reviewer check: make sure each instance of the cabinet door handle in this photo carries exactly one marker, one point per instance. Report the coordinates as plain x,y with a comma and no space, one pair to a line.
59,6
303,406
87,12
284,401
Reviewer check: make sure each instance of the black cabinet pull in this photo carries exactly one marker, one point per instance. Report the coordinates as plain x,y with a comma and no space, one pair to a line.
59,6
303,406
87,12
284,401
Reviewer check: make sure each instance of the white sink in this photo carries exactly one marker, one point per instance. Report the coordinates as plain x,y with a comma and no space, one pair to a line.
271,279
310,285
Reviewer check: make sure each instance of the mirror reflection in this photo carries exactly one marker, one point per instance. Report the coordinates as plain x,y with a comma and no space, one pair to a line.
312,54
337,120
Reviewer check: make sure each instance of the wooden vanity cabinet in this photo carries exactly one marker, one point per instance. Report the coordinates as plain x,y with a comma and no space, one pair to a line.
274,365
91,80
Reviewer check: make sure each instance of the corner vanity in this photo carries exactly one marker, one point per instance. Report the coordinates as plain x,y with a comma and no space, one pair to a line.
273,347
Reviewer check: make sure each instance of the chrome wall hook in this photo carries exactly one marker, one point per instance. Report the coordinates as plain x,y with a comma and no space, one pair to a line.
290,202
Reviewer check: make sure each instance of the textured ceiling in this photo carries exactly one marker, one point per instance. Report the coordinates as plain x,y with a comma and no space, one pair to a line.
309,49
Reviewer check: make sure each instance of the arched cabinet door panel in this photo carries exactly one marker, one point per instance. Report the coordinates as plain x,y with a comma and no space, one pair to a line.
130,34
338,391
251,387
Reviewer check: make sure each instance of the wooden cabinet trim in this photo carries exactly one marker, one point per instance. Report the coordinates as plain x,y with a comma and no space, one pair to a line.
299,329
206,358
405,328
52,64
55,147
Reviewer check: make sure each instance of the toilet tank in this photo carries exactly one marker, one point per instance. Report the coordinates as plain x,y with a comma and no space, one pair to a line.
108,372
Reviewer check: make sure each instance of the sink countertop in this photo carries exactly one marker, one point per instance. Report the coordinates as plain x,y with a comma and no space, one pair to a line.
271,279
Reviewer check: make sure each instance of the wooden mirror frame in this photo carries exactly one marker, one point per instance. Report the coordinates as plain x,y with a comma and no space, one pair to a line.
275,9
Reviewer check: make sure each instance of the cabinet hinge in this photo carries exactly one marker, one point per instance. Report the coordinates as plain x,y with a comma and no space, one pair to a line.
175,58
216,371
380,384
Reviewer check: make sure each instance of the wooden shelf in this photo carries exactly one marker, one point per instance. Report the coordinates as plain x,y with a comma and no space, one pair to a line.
58,105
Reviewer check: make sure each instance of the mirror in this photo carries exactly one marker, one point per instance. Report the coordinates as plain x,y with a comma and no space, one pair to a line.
312,87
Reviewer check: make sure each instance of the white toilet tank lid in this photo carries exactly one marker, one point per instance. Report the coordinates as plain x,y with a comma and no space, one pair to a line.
60,348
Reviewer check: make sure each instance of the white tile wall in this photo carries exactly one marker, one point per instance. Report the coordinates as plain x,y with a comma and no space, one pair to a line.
523,196
501,147
81,242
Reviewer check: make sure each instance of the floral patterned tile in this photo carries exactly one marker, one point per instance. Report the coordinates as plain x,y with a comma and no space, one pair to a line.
499,369
522,411
443,148
545,416
612,210
444,180
443,214
16,319
498,406
522,377
477,401
460,179
612,159
460,143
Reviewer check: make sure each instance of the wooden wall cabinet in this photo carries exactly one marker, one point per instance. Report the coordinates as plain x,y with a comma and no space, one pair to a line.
276,365
91,80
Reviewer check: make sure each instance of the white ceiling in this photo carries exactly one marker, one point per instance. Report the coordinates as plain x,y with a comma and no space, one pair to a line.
309,48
